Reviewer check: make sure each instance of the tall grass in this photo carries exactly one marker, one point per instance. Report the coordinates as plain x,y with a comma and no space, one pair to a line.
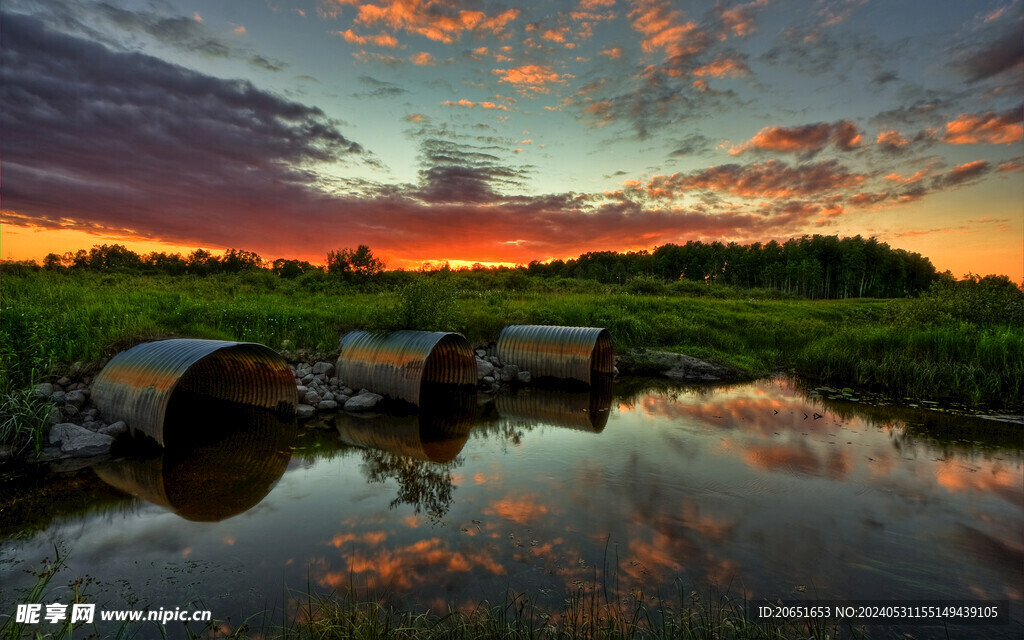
900,347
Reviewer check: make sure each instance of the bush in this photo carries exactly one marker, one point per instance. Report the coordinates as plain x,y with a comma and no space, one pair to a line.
23,416
428,304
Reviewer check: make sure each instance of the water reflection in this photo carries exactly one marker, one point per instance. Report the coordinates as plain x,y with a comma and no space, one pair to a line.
759,488
586,410
221,460
418,451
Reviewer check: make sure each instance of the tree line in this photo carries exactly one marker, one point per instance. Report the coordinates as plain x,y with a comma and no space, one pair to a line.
811,266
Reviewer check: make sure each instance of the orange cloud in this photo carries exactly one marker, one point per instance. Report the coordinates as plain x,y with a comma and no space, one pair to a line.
663,28
470,104
595,4
438,20
808,139
970,128
892,138
723,67
740,19
381,40
771,179
422,59
612,52
529,77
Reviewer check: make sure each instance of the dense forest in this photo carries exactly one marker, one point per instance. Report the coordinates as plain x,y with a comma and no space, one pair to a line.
812,266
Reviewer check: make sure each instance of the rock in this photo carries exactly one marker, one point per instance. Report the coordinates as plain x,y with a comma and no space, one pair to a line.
341,399
115,430
91,425
76,441
494,360
64,381
86,380
306,379
675,366
327,405
488,380
509,372
312,398
481,353
483,368
327,396
333,381
324,368
303,411
6,453
44,390
364,401
615,371
524,377
58,396
90,413
75,398
53,417
495,387
347,391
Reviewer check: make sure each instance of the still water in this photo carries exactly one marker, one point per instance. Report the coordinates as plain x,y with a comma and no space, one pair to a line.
762,489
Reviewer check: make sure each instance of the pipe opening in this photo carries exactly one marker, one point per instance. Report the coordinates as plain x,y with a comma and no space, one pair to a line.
139,385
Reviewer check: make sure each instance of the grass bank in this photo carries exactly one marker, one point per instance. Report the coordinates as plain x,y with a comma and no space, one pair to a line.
908,348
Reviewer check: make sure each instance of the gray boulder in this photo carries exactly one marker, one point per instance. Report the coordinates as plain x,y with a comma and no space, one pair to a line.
488,379
323,368
483,368
312,398
365,401
480,353
509,372
303,411
524,377
307,378
115,430
75,398
77,442
327,405
44,390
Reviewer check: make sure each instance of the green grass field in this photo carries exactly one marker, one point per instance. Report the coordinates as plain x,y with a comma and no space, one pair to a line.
908,348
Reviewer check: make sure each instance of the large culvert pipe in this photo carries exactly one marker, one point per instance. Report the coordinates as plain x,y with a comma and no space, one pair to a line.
398,364
136,385
569,353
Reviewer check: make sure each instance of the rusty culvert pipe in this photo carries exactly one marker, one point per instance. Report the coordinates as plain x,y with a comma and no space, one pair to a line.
398,364
569,353
136,385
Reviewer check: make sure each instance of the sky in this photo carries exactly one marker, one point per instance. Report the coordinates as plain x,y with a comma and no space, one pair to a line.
499,132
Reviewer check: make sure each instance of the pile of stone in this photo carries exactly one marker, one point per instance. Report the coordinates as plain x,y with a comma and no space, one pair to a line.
76,427
319,390
492,374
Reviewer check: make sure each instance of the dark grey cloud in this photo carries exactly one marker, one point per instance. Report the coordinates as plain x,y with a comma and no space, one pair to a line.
379,88
454,172
1005,53
123,139
692,145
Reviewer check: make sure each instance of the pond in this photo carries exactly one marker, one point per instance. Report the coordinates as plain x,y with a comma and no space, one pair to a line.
764,490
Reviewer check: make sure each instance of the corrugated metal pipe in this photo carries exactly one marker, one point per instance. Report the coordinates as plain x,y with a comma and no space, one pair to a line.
569,353
137,385
400,363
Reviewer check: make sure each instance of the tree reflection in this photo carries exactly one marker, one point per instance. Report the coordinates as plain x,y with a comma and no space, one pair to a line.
424,485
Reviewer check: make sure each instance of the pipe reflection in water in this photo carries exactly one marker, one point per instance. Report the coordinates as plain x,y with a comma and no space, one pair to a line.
223,460
418,450
585,410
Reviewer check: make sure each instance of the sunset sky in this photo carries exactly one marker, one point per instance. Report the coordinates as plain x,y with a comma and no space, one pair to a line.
503,132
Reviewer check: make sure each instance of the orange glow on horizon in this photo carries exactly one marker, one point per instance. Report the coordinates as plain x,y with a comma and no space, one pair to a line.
959,251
